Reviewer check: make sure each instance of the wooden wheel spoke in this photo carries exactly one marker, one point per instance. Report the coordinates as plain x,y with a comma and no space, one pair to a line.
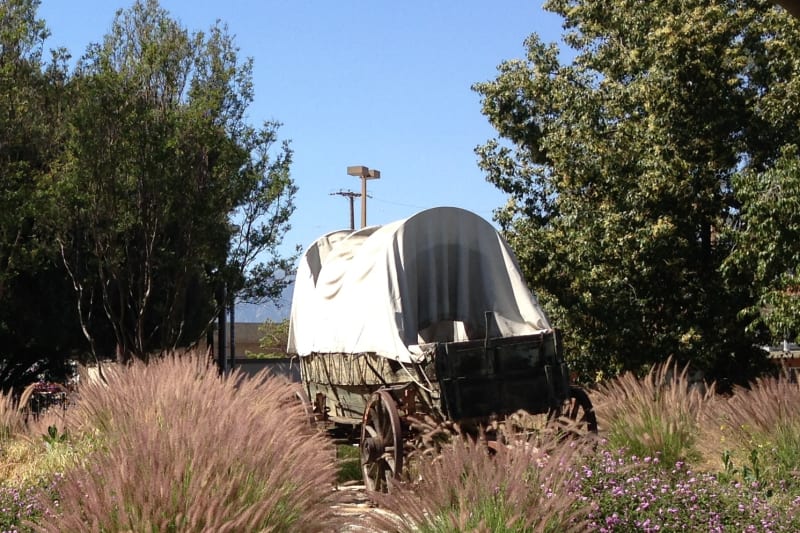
381,442
573,413
388,432
376,420
372,475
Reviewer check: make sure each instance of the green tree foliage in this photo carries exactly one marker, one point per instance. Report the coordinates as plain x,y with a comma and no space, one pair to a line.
275,337
622,167
171,193
767,252
34,335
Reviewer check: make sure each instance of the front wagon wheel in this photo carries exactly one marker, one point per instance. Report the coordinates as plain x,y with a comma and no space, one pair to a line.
381,442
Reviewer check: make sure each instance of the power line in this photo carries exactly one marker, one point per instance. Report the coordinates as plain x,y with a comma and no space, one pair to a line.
423,207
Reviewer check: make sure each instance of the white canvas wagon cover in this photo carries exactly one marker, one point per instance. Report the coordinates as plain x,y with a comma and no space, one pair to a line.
389,289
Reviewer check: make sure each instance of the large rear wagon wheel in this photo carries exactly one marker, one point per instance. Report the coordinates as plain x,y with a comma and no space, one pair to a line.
381,442
580,409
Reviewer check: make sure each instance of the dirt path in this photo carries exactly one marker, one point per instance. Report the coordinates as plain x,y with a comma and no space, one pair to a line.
355,506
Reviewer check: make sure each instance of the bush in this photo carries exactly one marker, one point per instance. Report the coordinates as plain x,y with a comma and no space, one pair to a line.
633,493
657,415
181,449
466,488
21,505
755,433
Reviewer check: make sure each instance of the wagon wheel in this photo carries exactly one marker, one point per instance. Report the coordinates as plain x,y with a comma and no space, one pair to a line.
381,442
308,409
580,409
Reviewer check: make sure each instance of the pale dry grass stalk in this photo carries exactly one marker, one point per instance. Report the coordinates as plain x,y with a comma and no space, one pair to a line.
467,488
12,420
14,413
763,417
11,423
767,403
182,449
658,414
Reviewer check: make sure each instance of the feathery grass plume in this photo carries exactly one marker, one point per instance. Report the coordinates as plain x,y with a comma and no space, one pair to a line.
655,415
12,414
182,449
9,417
756,431
467,488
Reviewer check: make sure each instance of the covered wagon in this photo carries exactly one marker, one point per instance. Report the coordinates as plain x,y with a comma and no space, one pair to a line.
427,316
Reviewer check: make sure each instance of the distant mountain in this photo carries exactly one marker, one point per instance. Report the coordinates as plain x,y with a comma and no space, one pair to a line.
269,311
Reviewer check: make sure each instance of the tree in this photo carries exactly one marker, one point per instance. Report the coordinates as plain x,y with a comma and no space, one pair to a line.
159,162
621,168
767,251
34,338
275,337
263,220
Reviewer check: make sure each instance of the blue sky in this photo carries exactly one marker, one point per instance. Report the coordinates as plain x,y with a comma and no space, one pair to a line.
380,84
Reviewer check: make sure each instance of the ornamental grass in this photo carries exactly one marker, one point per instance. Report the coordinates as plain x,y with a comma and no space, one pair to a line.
468,487
12,417
658,414
755,433
178,448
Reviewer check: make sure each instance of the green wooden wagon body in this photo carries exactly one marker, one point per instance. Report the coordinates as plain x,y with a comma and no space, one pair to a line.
458,381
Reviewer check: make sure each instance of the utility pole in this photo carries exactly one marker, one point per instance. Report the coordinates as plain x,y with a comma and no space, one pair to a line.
222,301
365,174
351,196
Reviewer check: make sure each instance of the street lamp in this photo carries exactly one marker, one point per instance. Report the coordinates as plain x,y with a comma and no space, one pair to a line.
365,174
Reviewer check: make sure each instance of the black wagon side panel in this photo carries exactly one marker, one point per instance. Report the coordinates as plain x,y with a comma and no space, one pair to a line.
496,377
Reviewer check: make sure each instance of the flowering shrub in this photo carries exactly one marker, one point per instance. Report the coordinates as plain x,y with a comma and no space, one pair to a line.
631,493
23,505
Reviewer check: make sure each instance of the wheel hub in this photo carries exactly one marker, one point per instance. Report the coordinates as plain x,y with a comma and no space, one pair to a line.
372,449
